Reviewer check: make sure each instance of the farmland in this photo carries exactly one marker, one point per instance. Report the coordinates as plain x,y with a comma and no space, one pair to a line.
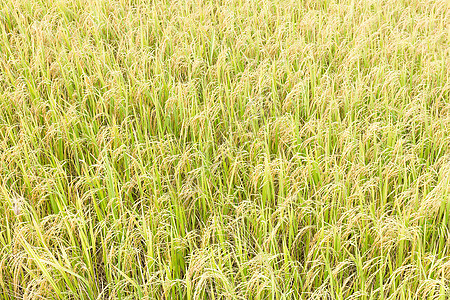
234,149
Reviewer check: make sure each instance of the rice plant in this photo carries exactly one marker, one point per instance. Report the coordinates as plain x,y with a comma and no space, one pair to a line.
224,149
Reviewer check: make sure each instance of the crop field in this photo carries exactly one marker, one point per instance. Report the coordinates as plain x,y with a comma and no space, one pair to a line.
224,149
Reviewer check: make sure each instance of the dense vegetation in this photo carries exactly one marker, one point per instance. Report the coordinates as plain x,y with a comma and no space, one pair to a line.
235,149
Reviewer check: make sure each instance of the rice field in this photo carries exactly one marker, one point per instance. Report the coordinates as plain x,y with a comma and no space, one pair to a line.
224,149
